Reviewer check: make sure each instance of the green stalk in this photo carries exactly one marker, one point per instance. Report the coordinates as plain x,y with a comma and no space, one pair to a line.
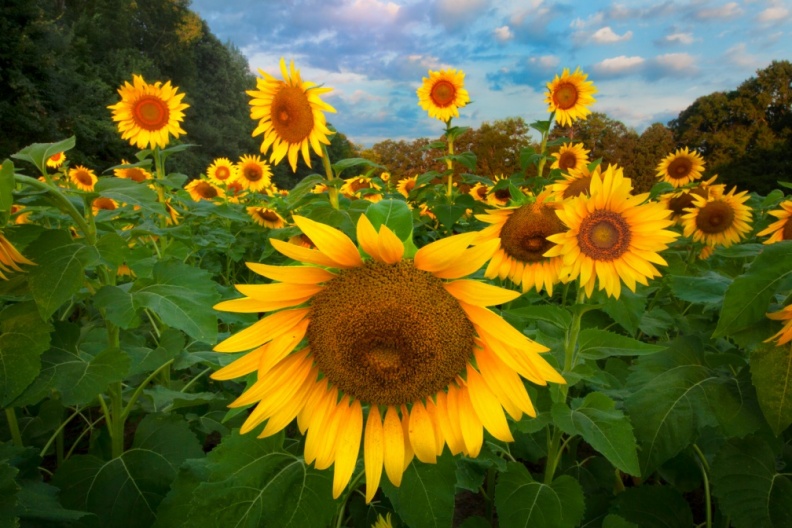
135,395
449,162
704,466
62,203
342,508
331,189
116,426
13,425
57,432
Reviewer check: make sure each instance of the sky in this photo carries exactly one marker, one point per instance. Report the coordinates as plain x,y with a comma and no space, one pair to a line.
648,60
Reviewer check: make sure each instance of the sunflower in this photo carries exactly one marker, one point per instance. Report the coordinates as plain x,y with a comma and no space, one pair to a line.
785,334
103,204
781,229
613,236
523,233
680,200
266,217
442,94
19,214
406,185
234,190
719,219
290,115
569,96
570,157
83,178
138,174
173,214
479,191
203,190
254,173
681,167
222,171
56,160
577,182
10,258
354,188
148,114
499,197
398,336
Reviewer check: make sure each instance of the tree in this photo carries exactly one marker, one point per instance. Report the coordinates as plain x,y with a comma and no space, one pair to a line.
496,145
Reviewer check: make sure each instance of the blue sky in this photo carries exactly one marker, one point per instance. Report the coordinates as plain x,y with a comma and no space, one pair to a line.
649,60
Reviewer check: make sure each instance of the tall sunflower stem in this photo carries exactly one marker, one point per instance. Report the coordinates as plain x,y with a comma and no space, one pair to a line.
449,162
331,189
116,426
139,390
159,172
13,426
62,203
704,466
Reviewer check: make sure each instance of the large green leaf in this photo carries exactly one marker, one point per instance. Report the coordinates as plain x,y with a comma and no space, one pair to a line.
118,306
748,298
523,502
771,371
170,436
38,500
707,289
426,495
748,486
24,336
550,313
130,192
654,507
8,495
605,428
393,213
38,153
599,344
182,296
60,269
123,492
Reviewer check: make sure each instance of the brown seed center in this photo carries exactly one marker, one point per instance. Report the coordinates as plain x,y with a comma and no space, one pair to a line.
222,173
577,187
151,113
524,235
252,172
292,117
389,334
715,217
443,93
206,190
83,177
604,235
567,160
679,168
565,96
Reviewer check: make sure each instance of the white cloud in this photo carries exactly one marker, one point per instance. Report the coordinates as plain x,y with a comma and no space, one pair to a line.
547,62
606,35
368,11
593,20
773,14
673,65
730,10
679,38
454,12
503,33
739,57
620,65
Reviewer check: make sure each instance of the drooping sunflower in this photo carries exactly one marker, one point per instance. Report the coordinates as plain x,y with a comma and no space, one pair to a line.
613,236
148,114
103,204
523,233
406,185
83,177
719,219
56,160
443,93
480,191
138,174
570,156
254,173
290,115
569,96
782,228
681,167
784,335
222,171
499,197
358,187
10,258
266,217
398,336
203,190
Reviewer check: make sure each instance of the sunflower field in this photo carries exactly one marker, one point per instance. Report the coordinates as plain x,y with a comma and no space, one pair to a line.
451,349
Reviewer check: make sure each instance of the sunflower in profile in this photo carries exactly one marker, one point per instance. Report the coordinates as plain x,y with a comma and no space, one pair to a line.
10,258
569,96
499,197
222,171
407,346
203,190
138,174
254,173
361,187
266,217
290,115
576,183
443,93
570,156
784,335
680,167
406,185
523,233
173,214
84,178
56,160
682,199
480,191
719,219
148,114
103,204
782,228
613,236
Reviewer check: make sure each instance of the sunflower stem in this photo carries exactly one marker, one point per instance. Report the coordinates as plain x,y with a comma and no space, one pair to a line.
449,161
331,189
342,508
13,426
58,432
135,395
704,466
62,203
116,426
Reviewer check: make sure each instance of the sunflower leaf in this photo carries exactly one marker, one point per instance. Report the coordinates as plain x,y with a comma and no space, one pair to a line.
129,192
522,501
426,495
38,153
653,507
706,289
6,190
24,336
771,372
393,213
599,344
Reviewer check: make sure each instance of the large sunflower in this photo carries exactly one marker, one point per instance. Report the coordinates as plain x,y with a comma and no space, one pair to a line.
254,173
681,167
10,258
613,236
411,340
222,171
719,219
570,156
784,335
523,233
290,115
83,177
148,114
442,94
569,96
782,228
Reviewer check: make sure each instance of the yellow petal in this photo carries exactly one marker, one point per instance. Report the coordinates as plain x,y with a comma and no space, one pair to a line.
373,451
263,331
281,346
391,249
431,408
347,448
248,305
290,407
487,407
469,261
289,372
479,293
318,391
318,423
505,384
279,292
472,430
421,433
302,254
330,241
497,326
367,238
292,274
325,455
442,253
240,367
393,446
409,452
452,411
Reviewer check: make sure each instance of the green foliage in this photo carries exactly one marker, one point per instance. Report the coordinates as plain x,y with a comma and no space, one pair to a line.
771,373
426,494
